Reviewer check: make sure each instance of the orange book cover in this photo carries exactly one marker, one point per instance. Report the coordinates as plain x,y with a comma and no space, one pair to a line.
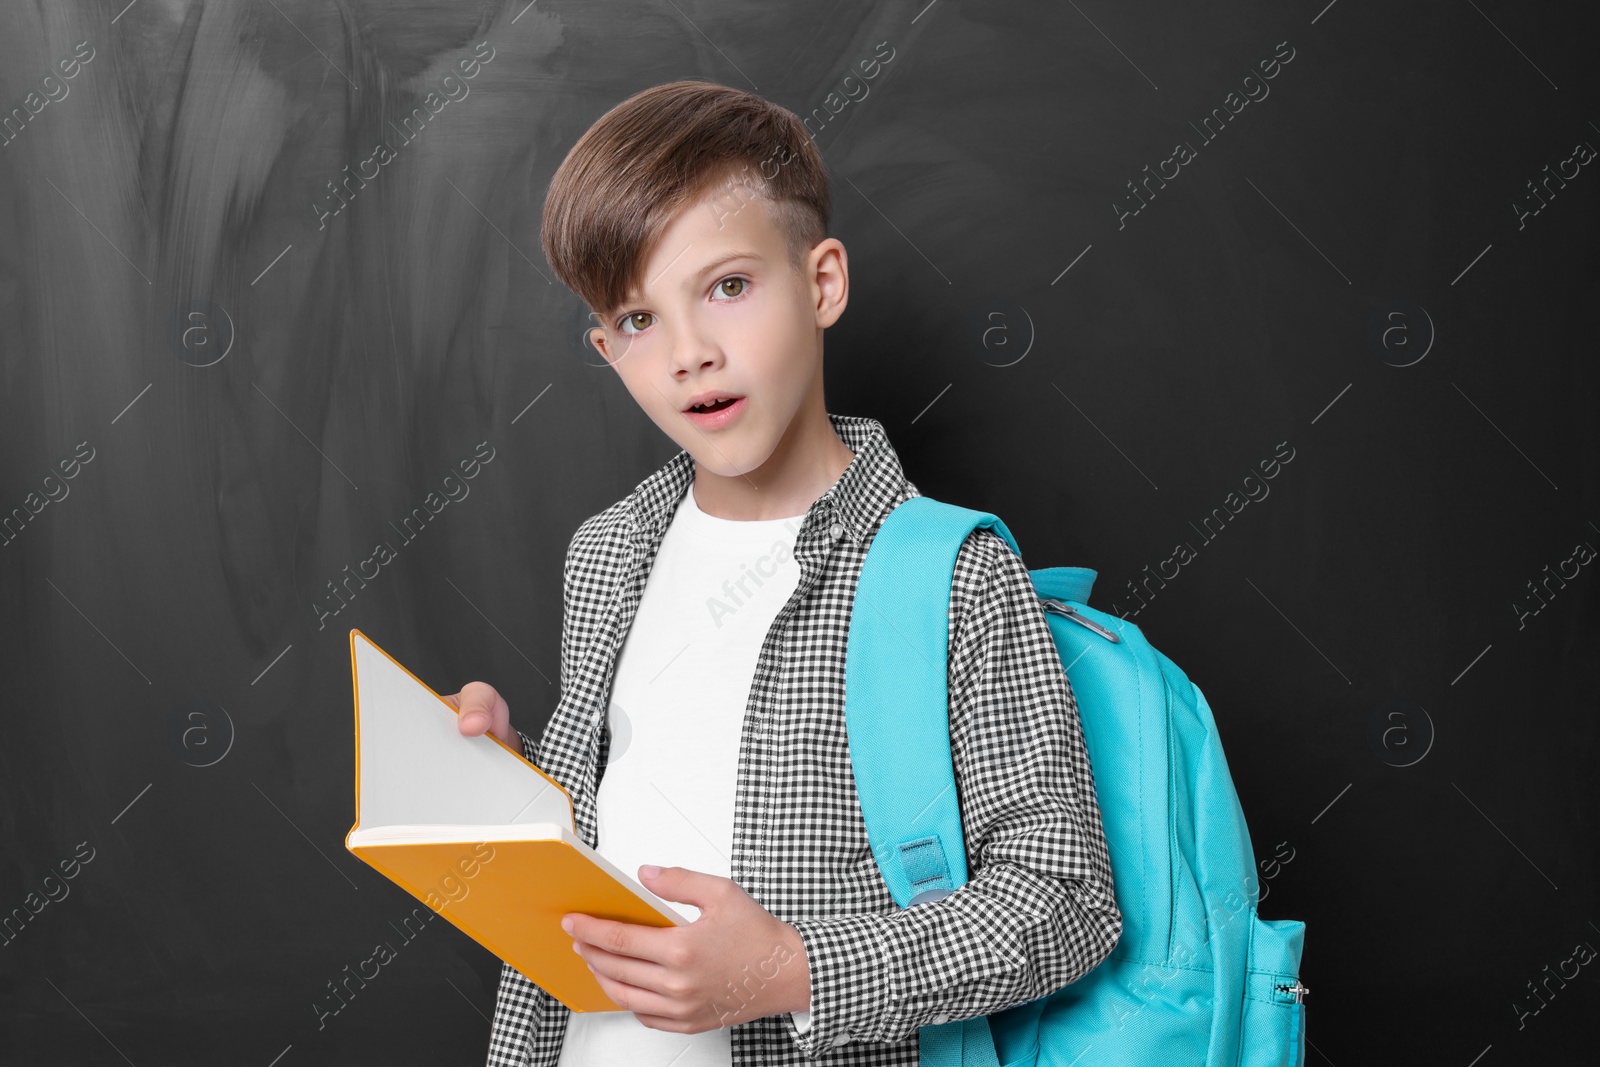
479,834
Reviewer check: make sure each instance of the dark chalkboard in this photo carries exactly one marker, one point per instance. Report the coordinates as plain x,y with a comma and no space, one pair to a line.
1107,260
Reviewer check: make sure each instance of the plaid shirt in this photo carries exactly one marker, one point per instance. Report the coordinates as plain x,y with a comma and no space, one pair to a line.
1038,911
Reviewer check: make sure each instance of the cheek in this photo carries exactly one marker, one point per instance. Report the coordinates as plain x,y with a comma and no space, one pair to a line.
647,394
619,348
641,371
651,387
773,331
795,345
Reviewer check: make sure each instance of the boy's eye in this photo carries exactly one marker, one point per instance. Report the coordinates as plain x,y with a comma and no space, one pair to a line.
633,320
739,283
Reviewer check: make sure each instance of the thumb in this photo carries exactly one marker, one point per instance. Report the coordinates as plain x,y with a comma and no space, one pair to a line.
481,709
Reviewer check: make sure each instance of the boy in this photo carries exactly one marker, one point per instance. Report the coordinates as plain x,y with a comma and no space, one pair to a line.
706,614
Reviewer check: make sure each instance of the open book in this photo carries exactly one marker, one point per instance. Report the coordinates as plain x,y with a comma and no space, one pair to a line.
483,837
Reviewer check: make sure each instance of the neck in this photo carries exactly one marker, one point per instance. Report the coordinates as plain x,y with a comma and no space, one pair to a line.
808,460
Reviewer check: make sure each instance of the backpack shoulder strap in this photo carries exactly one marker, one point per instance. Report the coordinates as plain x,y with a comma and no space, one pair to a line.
897,702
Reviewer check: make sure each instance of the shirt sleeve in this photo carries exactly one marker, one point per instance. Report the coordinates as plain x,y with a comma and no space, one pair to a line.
1038,910
530,748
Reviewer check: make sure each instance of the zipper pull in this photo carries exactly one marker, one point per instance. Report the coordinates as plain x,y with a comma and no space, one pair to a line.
1297,990
1064,609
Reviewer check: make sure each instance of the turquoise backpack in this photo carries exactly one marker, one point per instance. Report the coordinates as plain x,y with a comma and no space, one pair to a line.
1197,977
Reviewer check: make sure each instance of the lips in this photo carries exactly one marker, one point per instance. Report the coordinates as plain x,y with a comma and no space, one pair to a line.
716,411
709,403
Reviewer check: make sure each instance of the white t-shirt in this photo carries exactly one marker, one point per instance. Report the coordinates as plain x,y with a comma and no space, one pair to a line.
677,707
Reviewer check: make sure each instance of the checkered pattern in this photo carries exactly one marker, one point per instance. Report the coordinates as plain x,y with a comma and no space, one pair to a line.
1038,911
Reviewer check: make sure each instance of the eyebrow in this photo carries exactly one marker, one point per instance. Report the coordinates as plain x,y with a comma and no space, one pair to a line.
720,260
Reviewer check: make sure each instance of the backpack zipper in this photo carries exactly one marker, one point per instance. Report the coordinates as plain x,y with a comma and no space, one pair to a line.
1297,991
1064,609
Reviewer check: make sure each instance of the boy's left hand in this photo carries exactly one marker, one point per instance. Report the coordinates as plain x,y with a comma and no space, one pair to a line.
735,963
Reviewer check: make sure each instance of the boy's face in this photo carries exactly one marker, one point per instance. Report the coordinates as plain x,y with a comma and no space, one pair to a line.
748,327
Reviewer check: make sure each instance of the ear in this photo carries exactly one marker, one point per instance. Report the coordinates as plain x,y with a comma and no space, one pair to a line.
828,271
597,339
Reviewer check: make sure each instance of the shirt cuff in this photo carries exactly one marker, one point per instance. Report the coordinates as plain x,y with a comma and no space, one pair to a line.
802,1021
848,960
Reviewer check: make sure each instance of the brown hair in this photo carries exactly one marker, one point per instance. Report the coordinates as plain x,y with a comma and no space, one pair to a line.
661,149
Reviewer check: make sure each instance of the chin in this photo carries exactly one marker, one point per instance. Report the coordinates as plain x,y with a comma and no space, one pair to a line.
718,464
729,462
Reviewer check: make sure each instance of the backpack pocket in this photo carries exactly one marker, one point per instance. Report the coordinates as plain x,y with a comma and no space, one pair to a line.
1273,1021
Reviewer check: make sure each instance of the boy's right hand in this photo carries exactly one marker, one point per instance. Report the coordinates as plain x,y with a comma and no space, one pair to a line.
482,708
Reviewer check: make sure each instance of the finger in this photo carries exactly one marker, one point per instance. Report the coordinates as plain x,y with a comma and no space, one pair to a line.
642,976
652,1009
482,709
649,943
683,885
663,1022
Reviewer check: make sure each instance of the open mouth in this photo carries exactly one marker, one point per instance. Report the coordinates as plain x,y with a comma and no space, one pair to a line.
714,405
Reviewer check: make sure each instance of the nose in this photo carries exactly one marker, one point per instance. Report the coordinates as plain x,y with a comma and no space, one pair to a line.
692,350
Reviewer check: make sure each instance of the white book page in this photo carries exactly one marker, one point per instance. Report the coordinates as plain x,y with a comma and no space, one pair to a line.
417,768
459,833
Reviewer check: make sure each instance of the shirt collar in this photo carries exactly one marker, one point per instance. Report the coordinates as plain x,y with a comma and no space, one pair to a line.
861,496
